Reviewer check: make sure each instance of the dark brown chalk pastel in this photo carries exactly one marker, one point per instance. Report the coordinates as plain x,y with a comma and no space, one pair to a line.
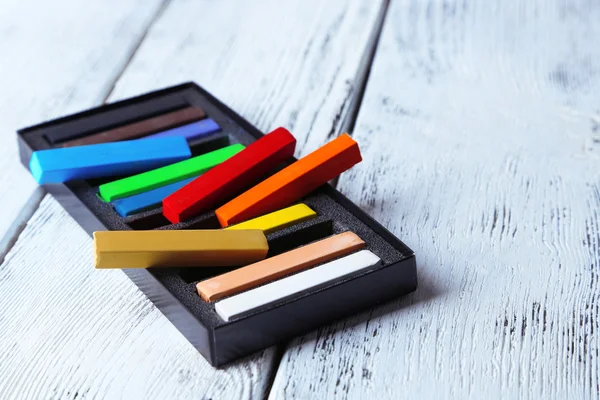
141,128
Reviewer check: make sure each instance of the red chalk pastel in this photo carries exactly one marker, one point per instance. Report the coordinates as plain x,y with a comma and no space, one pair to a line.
231,177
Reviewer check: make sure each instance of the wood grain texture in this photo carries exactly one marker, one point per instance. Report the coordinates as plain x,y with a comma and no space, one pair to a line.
293,64
480,135
56,58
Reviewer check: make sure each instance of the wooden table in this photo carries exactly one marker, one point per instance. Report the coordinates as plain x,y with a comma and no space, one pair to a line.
479,124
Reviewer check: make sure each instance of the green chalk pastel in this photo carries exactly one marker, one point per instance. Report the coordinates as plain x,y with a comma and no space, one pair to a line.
166,175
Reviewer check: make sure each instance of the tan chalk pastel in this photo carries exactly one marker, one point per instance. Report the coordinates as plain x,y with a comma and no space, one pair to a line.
278,266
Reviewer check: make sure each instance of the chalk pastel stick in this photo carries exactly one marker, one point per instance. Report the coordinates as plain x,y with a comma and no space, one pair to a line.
108,159
191,131
279,219
245,303
230,178
163,176
147,200
293,182
272,268
141,128
178,248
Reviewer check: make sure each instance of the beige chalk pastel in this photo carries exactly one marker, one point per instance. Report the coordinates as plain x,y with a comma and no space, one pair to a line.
278,266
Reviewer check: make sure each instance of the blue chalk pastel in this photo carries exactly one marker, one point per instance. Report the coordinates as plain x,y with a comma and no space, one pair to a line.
107,159
146,200
191,131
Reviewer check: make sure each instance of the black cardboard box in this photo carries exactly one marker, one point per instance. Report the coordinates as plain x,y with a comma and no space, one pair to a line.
173,291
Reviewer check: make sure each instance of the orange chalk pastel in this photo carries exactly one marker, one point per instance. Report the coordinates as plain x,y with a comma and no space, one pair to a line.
292,182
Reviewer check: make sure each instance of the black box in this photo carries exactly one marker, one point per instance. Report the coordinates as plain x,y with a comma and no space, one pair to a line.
173,291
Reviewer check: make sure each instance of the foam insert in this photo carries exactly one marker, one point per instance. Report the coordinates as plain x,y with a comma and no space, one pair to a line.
332,218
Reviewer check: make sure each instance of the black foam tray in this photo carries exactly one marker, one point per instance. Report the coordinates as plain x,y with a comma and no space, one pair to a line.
173,291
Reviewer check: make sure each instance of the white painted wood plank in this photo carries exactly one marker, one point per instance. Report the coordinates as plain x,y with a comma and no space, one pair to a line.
480,135
56,58
116,345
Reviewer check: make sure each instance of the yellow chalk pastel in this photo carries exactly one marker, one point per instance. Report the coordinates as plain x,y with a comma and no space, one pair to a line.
277,219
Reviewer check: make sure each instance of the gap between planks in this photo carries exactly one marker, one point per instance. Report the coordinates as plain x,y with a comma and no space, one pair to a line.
20,222
144,33
347,125
360,82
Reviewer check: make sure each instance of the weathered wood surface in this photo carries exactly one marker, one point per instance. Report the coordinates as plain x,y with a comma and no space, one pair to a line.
480,130
295,64
56,58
